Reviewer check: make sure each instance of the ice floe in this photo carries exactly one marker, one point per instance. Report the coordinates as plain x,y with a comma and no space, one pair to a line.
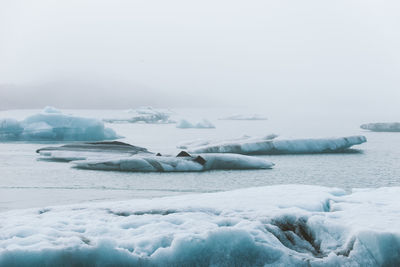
96,150
192,163
143,115
203,124
264,146
382,127
52,125
118,156
286,225
245,117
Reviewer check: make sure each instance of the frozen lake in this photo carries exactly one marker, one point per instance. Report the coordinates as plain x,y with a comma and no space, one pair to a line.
26,182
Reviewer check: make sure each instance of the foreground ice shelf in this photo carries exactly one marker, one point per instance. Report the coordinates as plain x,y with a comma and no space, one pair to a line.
52,125
270,146
382,127
118,156
287,225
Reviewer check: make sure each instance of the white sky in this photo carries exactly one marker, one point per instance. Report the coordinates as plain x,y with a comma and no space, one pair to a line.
277,54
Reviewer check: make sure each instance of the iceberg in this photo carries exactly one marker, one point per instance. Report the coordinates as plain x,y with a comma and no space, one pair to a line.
190,163
96,150
285,225
143,115
203,124
253,146
244,117
382,127
119,156
52,125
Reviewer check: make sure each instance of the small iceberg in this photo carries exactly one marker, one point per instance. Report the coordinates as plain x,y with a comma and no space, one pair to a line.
203,124
253,146
143,115
119,156
245,117
52,125
382,127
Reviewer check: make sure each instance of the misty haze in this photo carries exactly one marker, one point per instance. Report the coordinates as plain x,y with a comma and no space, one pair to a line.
210,133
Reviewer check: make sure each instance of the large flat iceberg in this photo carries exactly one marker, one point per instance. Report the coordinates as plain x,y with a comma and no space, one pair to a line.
382,127
119,156
143,115
267,146
287,225
52,125
193,163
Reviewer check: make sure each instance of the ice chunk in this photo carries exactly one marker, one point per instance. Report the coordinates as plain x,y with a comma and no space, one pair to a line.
140,163
203,124
281,146
245,117
97,150
285,225
52,125
143,115
382,127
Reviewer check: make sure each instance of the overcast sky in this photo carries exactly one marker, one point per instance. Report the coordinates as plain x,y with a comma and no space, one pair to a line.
280,54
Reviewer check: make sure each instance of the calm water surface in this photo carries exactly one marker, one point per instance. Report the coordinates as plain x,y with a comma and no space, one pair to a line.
27,182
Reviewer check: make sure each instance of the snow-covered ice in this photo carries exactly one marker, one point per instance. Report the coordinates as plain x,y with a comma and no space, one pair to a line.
193,163
245,117
203,124
52,125
382,127
265,146
143,115
295,225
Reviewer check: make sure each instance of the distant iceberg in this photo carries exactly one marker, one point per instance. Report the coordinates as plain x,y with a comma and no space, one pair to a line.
252,146
52,125
245,117
143,115
118,156
203,124
285,225
382,127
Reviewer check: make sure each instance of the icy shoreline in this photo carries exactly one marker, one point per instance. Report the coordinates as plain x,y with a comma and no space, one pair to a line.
275,225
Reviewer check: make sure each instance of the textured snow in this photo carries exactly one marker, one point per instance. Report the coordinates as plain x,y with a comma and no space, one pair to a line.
52,125
146,163
245,117
280,146
287,225
382,127
143,115
203,124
